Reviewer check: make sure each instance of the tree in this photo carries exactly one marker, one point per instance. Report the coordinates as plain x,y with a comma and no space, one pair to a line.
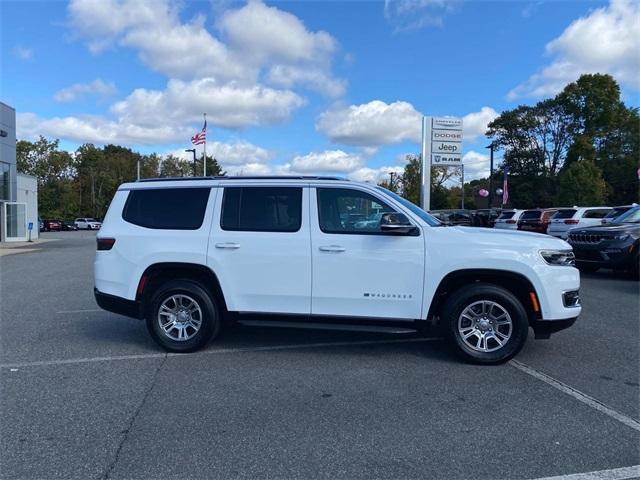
581,183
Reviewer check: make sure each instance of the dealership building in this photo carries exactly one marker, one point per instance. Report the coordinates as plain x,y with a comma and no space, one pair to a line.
18,193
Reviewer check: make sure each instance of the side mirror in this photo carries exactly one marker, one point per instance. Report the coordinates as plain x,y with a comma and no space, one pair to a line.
397,223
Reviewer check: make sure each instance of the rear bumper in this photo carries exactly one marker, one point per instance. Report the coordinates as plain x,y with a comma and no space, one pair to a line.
544,328
119,305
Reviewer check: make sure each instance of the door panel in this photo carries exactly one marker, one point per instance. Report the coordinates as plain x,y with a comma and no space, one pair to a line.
259,269
357,269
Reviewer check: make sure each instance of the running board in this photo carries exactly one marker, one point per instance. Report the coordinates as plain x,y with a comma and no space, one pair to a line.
328,326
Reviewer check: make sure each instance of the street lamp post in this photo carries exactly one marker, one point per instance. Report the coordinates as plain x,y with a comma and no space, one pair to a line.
195,161
391,174
490,147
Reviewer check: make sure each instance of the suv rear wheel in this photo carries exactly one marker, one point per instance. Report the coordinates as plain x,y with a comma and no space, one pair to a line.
182,316
485,323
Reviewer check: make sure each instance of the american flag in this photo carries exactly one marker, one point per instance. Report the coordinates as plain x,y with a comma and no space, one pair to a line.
505,186
200,137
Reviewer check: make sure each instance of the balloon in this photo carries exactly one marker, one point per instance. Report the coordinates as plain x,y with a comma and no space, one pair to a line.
483,193
499,191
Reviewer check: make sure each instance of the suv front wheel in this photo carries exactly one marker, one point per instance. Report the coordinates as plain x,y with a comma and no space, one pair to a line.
486,323
182,316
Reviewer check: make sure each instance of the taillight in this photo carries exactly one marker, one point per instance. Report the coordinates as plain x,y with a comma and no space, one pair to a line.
511,222
105,243
571,222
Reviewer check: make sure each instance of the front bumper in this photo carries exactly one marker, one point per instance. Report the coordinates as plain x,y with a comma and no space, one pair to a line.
119,305
617,255
544,328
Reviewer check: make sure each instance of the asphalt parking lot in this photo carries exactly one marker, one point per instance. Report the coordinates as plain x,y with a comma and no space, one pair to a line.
87,394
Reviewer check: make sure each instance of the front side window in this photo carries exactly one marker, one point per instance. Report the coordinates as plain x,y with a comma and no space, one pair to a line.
166,208
343,210
262,209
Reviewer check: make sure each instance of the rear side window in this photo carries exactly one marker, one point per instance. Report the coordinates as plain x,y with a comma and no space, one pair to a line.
167,208
262,209
564,213
596,213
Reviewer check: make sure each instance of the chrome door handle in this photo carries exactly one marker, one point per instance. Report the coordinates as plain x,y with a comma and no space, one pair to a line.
228,245
332,248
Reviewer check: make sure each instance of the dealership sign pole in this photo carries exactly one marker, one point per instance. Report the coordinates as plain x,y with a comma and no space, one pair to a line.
441,146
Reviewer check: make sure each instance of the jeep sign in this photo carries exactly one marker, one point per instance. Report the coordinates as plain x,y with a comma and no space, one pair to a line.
446,147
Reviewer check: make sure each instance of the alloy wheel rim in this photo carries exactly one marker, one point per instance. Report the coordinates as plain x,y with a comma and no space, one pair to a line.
485,326
179,317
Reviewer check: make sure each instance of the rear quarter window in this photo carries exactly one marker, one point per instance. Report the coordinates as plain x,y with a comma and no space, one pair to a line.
167,208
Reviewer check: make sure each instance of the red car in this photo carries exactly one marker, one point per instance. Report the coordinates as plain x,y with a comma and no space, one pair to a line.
52,225
536,220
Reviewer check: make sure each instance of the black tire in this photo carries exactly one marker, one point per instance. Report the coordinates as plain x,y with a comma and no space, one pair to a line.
587,268
467,296
208,314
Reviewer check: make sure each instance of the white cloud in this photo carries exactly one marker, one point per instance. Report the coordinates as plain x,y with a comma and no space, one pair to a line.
476,165
407,15
98,130
258,39
97,87
604,41
377,123
327,161
474,124
375,175
228,105
23,53
238,153
371,124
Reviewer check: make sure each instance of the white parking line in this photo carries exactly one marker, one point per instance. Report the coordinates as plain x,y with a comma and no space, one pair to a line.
624,473
578,395
91,310
296,346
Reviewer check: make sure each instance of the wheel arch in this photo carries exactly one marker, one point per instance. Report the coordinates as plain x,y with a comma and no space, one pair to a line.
158,273
516,283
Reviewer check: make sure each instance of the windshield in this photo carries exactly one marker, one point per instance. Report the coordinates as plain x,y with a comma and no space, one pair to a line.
617,211
429,219
632,216
91,220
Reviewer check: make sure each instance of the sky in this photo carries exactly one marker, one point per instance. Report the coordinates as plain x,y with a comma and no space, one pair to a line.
299,87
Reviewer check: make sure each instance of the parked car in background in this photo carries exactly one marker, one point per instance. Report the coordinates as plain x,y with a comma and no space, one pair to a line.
508,219
566,219
536,220
87,224
614,245
41,224
486,217
69,226
51,225
454,217
616,212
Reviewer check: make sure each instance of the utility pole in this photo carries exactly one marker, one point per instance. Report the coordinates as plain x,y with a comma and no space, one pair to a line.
462,167
195,160
490,147
138,169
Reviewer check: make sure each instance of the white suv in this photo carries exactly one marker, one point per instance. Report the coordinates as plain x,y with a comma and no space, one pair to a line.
87,224
322,252
566,219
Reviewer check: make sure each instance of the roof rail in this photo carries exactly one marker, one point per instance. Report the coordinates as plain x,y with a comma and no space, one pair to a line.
264,177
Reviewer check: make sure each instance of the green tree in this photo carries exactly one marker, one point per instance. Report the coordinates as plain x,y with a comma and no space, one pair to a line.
581,183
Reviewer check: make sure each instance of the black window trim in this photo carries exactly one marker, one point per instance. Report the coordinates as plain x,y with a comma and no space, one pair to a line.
229,187
183,229
383,234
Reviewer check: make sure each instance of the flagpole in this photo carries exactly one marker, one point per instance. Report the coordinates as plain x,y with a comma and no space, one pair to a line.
204,168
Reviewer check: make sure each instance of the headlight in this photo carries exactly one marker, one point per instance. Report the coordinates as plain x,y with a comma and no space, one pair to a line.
621,236
564,258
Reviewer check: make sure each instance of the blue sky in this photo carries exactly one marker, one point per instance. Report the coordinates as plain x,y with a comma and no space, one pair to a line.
299,87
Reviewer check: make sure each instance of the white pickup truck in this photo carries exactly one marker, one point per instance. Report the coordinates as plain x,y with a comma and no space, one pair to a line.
323,252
